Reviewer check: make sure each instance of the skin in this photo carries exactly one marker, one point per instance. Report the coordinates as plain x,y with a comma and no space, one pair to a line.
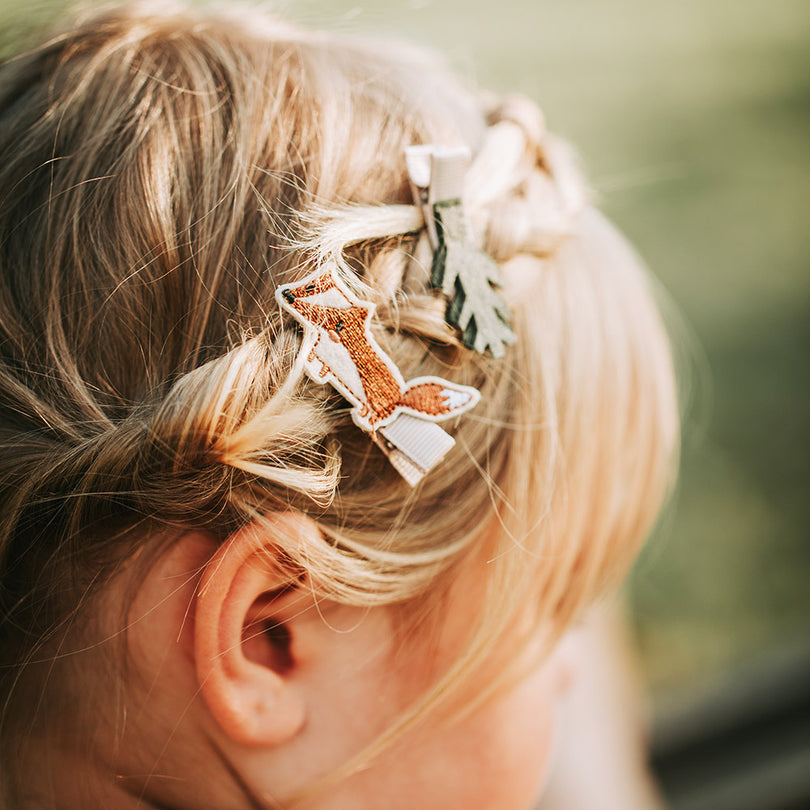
178,737
603,724
192,740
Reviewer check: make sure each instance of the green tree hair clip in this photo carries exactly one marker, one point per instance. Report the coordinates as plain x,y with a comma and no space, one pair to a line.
468,277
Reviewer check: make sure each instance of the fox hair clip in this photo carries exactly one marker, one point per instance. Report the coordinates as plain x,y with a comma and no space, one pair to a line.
338,348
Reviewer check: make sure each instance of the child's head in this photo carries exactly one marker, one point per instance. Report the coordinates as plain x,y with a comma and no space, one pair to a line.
215,587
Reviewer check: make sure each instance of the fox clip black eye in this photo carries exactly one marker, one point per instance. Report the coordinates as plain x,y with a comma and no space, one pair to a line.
309,289
339,326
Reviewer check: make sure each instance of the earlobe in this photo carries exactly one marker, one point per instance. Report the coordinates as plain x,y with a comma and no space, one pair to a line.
242,648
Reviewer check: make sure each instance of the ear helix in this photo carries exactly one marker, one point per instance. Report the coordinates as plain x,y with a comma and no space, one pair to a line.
243,655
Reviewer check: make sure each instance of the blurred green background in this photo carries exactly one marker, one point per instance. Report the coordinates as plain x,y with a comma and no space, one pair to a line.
693,120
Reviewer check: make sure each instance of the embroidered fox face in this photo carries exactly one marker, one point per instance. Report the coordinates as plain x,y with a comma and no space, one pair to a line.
339,348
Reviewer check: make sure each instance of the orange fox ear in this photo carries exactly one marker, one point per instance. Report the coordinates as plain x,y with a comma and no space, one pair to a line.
312,285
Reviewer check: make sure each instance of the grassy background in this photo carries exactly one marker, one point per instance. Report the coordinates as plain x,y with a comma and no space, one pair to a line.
693,118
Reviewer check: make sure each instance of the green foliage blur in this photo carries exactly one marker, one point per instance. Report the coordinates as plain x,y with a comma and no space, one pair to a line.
693,120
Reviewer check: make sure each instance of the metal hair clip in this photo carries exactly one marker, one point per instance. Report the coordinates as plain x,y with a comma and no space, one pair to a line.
466,275
338,348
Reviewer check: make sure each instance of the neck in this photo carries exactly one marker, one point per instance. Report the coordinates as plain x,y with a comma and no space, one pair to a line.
62,779
73,780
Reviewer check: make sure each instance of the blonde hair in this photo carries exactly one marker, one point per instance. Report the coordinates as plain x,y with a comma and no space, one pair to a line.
160,175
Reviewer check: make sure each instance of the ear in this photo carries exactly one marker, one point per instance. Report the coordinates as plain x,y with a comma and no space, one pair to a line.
245,628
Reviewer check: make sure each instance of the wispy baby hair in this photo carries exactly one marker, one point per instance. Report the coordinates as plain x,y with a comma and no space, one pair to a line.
160,174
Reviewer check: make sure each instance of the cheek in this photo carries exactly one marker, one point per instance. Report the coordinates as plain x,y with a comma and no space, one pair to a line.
514,740
494,759
497,756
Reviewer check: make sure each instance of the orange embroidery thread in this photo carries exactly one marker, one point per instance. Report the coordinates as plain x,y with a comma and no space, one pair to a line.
339,348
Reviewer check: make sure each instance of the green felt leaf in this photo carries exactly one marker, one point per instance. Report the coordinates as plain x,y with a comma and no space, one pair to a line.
470,280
